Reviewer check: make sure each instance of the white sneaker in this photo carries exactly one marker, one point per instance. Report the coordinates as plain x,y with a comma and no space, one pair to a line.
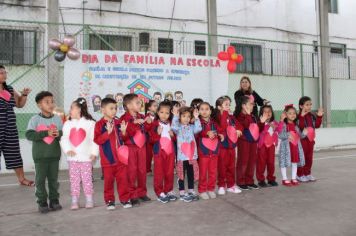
212,195
221,191
234,189
310,178
302,179
204,196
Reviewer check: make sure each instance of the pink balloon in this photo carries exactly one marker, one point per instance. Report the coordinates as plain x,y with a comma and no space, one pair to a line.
231,66
223,56
73,54
54,44
69,40
231,50
239,59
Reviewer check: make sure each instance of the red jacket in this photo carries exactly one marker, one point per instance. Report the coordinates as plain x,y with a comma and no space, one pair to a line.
246,120
207,126
309,120
225,120
108,143
154,137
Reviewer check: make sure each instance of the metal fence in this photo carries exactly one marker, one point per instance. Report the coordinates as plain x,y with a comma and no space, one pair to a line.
23,50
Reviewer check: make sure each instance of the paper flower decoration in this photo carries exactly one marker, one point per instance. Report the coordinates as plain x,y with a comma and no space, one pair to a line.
64,48
232,57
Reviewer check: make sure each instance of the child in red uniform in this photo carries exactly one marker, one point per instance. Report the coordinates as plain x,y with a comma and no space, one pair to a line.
227,150
109,136
162,138
137,125
308,121
150,111
247,144
208,150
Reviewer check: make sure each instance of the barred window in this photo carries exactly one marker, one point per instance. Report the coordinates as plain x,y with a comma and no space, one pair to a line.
252,54
165,45
17,47
118,42
200,48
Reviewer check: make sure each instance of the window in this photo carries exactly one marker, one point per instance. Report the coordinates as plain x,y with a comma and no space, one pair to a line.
165,45
200,48
111,0
118,42
335,48
17,47
252,54
333,6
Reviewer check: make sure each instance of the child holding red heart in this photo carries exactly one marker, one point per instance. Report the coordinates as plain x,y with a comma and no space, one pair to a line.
162,138
186,149
308,121
266,147
45,131
78,145
231,130
290,152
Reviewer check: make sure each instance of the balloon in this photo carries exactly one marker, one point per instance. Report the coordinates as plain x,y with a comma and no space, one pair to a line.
59,56
239,58
73,54
223,56
231,66
231,50
64,48
54,44
234,56
69,40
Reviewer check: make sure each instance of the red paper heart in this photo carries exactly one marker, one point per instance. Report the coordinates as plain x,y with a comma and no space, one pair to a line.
77,136
254,130
210,144
139,139
166,145
295,138
42,127
231,134
188,149
269,140
311,134
5,95
123,154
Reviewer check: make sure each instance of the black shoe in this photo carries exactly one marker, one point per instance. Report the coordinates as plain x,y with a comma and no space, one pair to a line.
194,196
145,199
273,183
43,208
163,199
243,187
262,184
55,206
252,186
135,202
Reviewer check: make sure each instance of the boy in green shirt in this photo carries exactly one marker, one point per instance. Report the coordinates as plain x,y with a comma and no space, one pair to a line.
45,130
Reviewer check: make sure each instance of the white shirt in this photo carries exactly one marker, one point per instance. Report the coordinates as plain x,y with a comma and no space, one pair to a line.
165,130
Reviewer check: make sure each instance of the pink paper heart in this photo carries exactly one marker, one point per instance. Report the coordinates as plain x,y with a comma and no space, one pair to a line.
188,149
295,138
123,154
47,139
166,145
5,95
310,134
77,136
139,139
232,134
210,144
254,130
269,140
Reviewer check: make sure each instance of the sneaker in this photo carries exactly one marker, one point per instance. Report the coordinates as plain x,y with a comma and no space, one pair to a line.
302,179
244,187
212,194
74,206
185,198
171,196
55,206
145,199
126,205
163,198
310,178
273,183
286,183
262,184
135,202
204,196
194,196
294,182
252,186
43,208
110,206
234,189
89,204
221,191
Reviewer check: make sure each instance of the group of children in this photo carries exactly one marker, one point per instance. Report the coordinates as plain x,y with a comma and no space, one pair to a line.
199,143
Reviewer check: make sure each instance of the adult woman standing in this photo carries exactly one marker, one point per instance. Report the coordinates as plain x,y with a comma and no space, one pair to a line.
246,90
9,140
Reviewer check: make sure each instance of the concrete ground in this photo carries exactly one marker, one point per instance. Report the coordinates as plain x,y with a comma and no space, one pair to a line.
326,207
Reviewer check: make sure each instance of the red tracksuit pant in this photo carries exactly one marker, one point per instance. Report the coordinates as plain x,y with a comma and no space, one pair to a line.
116,173
246,162
149,156
208,166
226,167
265,158
308,148
137,171
163,175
